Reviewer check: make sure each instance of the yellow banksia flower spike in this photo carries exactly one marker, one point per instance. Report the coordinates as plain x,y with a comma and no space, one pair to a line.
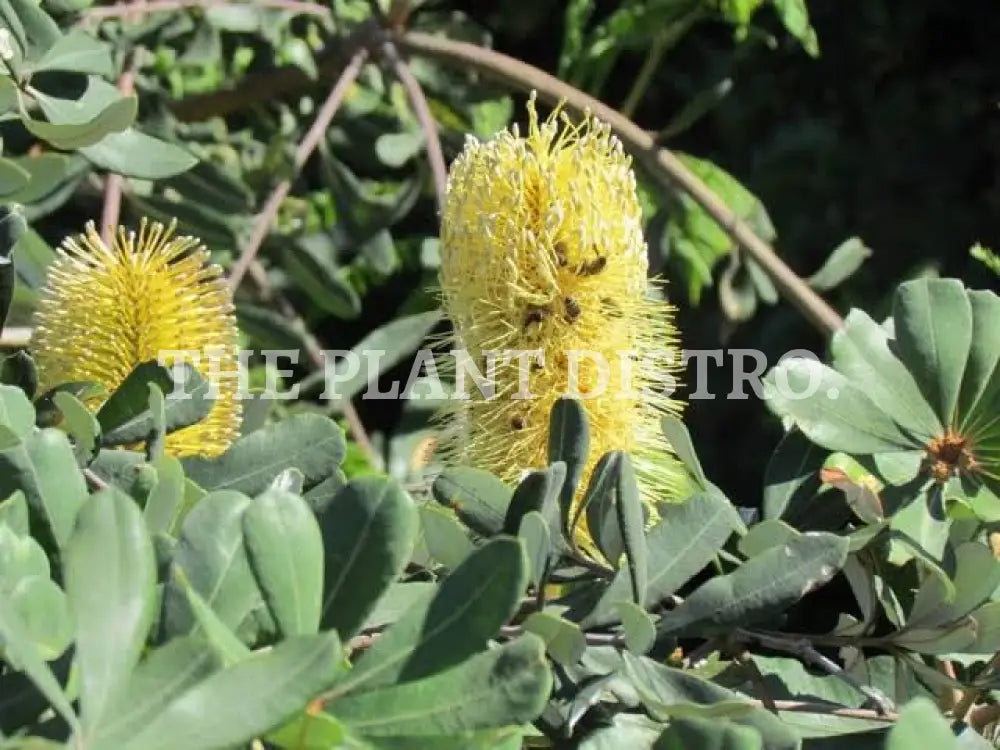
106,309
542,248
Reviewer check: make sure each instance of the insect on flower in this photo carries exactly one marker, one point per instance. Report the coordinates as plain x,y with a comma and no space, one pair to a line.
523,219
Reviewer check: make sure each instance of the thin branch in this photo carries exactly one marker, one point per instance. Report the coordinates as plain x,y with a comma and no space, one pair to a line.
114,182
15,337
142,7
423,114
815,707
318,129
662,42
971,695
95,482
804,650
661,163
315,353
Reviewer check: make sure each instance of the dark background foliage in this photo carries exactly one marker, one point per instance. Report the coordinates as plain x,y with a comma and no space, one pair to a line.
892,134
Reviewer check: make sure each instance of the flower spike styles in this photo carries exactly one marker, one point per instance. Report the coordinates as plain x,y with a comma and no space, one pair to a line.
543,249
106,309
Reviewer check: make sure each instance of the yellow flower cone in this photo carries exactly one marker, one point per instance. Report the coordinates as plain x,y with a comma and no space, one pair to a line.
105,310
543,249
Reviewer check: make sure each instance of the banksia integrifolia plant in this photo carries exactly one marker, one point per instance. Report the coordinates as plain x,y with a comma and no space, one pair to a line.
106,309
543,249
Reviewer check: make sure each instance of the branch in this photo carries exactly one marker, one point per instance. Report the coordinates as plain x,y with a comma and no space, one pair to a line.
804,650
114,182
661,163
816,707
318,129
143,7
423,113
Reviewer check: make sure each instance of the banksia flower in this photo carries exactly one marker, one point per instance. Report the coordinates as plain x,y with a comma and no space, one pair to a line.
542,249
104,310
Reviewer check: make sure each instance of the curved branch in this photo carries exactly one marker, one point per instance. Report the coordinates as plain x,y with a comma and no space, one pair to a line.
659,162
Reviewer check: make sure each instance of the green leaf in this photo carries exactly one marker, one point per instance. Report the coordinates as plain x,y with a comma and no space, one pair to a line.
79,52
537,491
933,324
310,443
563,639
43,466
19,370
628,508
312,265
976,577
687,538
795,16
233,706
679,438
569,442
110,578
222,640
67,129
443,536
135,154
32,28
708,734
830,409
920,725
791,479
470,606
534,532
19,647
14,514
861,352
162,677
13,178
477,497
16,411
126,417
845,259
165,503
368,533
638,626
285,550
380,351
761,587
395,149
211,555
980,396
600,502
81,424
500,687
674,693
42,608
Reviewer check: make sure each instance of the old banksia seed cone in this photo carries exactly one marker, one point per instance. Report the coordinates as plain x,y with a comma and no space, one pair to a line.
543,249
104,310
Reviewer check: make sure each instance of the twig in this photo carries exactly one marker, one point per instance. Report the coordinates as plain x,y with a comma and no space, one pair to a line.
15,337
423,114
661,163
168,6
804,650
744,660
815,707
315,353
114,182
95,482
662,42
593,639
971,695
302,153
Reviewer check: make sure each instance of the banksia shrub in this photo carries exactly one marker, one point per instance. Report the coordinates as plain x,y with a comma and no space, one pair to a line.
543,249
106,309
